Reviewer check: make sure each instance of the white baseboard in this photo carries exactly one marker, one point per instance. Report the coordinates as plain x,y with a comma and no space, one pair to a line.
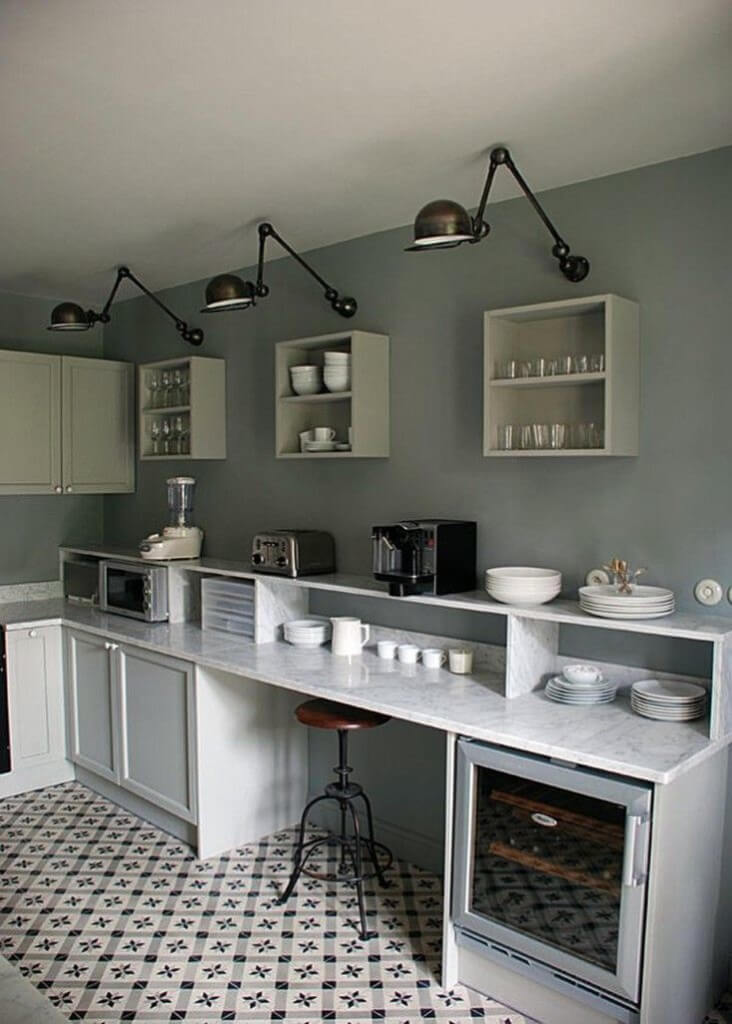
414,847
23,780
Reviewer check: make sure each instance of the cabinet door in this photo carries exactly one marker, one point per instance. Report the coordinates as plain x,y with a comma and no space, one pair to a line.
93,704
158,747
98,426
30,423
35,696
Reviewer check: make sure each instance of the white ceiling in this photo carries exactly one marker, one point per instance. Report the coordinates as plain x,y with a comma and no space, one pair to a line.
158,132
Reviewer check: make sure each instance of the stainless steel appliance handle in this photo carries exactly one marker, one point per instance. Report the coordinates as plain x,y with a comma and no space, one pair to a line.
634,823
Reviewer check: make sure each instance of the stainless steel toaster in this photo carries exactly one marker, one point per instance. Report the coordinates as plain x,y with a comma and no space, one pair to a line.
293,552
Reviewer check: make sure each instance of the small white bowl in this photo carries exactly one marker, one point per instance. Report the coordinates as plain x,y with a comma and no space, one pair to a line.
340,358
306,387
581,674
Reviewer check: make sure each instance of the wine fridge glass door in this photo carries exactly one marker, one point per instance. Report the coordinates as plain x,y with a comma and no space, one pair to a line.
551,861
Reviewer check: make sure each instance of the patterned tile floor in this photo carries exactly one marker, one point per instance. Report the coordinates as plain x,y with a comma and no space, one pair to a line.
116,921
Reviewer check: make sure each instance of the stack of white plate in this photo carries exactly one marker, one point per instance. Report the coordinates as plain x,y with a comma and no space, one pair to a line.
587,691
306,379
320,446
519,584
668,700
337,371
308,632
606,601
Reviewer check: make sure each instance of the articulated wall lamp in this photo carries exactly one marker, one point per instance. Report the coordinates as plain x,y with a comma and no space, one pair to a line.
444,224
68,316
229,292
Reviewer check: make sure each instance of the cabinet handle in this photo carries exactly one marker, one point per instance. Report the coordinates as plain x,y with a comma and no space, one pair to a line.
33,632
68,488
58,489
110,646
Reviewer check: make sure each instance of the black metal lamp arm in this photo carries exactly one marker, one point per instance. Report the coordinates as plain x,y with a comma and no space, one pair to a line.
344,305
193,335
574,268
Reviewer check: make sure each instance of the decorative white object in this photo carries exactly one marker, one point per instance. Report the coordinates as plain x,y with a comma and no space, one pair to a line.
606,399
708,592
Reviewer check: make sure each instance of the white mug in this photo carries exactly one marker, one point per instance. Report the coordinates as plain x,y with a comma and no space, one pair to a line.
461,660
349,635
386,649
324,433
408,653
305,436
433,657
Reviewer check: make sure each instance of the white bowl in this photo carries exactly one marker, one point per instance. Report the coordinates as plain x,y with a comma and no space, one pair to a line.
304,369
581,673
338,385
305,387
523,574
337,357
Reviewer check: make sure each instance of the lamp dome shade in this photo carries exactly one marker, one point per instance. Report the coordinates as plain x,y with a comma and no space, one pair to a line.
228,292
441,224
68,316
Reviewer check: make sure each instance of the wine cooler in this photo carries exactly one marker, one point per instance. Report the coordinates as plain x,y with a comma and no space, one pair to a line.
550,875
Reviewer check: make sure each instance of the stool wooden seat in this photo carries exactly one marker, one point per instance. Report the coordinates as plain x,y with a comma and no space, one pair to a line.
327,714
341,718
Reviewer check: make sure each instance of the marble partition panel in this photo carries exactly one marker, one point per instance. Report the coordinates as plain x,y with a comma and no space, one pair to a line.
277,601
531,654
31,591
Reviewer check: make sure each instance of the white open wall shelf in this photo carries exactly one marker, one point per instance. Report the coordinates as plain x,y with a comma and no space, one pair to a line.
365,408
599,325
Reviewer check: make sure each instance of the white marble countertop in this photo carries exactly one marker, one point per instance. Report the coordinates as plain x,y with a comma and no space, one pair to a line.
608,737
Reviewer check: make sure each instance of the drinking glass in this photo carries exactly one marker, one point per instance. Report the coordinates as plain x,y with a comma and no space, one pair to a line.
595,438
558,435
597,362
179,397
153,386
178,429
525,438
166,384
185,388
508,436
540,435
155,436
564,364
185,435
524,368
580,364
166,431
539,367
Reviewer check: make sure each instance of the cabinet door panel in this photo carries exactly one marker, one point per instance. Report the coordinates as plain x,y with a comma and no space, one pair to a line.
35,692
93,705
157,718
98,430
30,423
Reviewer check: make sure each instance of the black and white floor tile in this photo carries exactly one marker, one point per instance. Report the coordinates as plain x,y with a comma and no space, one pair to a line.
116,921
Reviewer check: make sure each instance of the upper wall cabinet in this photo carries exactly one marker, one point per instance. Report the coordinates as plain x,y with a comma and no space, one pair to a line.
357,415
562,378
67,425
183,409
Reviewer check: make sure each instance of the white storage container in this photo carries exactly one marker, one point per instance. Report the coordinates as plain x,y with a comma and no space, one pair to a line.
228,606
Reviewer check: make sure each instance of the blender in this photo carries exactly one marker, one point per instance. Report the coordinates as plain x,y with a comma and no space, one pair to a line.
179,539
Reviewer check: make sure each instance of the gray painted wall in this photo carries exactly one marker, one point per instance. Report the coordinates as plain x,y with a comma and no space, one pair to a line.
659,235
33,526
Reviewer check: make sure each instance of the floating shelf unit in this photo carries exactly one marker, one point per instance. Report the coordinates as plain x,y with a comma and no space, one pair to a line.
365,408
601,324
203,415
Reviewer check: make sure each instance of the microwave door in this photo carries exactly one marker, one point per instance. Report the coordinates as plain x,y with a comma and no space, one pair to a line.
551,862
125,591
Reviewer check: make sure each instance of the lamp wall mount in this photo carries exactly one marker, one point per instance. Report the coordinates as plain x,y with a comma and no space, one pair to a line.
444,224
68,316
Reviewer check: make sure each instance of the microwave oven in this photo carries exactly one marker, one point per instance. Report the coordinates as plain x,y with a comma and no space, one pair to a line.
138,591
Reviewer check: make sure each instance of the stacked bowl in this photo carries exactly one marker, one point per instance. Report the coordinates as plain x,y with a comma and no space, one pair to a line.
337,371
308,632
306,379
522,584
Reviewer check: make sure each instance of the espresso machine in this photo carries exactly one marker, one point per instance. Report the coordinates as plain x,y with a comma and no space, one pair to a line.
179,539
425,556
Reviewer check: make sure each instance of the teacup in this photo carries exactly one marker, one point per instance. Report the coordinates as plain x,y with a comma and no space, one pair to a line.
433,657
323,434
386,649
408,653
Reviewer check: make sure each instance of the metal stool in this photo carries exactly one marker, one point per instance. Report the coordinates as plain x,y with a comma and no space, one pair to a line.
325,714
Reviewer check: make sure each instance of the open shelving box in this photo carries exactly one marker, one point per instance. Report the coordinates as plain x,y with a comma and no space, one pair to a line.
203,415
365,408
600,324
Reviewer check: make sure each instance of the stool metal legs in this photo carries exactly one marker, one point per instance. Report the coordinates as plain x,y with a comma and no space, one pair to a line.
344,792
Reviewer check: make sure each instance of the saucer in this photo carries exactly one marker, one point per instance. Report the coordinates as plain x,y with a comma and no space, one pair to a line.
320,446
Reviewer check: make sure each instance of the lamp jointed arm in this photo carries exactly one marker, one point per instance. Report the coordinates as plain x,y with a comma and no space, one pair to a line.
345,305
574,268
193,335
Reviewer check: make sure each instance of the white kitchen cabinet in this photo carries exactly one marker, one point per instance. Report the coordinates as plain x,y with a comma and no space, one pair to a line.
30,418
68,424
97,420
132,720
157,730
35,697
93,703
